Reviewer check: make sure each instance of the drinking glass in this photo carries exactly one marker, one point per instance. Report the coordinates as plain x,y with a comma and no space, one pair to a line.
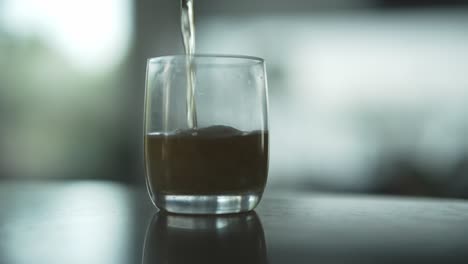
217,161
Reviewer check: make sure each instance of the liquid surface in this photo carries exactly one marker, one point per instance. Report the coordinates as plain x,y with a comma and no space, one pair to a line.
207,161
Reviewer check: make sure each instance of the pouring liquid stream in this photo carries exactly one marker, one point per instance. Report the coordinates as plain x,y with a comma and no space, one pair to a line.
188,36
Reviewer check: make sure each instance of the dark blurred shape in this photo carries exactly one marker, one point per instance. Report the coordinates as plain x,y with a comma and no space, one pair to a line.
236,238
268,7
401,176
419,3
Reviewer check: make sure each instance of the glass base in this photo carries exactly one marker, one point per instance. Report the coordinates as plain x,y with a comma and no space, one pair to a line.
206,204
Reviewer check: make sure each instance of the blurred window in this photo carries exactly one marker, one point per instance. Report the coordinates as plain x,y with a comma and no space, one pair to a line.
59,85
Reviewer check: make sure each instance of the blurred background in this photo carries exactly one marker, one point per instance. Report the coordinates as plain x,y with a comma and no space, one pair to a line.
366,96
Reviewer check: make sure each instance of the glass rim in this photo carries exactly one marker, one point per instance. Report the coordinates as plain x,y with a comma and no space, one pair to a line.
252,59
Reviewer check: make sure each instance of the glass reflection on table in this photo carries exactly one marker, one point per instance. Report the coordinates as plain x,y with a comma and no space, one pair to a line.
205,239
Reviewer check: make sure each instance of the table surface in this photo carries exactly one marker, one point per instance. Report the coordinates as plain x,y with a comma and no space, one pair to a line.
103,222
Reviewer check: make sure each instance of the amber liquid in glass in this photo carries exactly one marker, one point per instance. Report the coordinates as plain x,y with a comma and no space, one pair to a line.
207,161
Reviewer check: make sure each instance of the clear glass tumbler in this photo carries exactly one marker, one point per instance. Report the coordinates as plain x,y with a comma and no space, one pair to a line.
206,144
